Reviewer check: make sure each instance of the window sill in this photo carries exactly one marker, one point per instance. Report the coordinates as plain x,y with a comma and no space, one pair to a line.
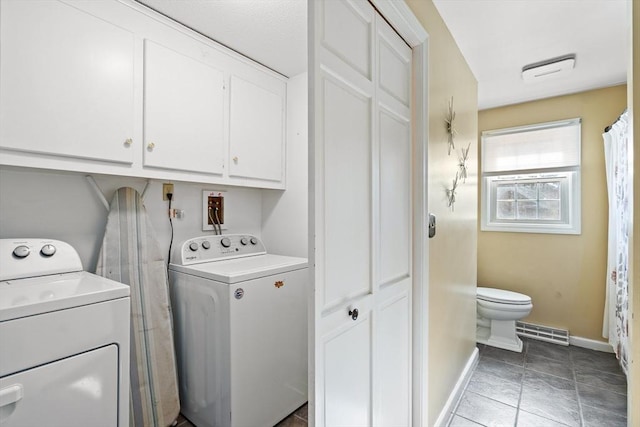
532,228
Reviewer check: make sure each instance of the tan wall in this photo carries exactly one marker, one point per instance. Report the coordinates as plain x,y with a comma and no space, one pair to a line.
634,104
452,252
563,274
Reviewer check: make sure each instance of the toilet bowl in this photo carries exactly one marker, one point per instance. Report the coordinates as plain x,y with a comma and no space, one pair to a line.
498,311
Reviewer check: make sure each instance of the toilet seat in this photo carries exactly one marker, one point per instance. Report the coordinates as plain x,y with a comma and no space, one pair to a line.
504,307
502,296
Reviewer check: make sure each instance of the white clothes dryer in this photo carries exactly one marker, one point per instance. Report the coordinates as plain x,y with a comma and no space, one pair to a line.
64,339
240,323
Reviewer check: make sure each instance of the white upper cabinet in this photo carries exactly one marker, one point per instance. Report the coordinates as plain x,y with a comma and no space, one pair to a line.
112,87
256,140
183,112
66,82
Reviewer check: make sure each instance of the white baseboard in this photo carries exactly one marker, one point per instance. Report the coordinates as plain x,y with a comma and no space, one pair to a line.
590,344
452,402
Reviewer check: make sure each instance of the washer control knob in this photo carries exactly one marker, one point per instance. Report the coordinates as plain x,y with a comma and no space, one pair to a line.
206,244
244,241
21,251
225,242
193,246
254,241
48,250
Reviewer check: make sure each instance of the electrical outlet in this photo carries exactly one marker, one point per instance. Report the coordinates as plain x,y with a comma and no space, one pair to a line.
215,210
166,188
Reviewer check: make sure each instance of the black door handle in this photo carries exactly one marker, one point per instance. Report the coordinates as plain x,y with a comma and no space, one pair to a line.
353,313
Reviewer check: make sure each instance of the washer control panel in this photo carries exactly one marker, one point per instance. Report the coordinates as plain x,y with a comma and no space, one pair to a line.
31,257
218,247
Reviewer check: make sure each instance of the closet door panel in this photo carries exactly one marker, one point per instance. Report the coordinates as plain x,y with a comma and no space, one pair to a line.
66,82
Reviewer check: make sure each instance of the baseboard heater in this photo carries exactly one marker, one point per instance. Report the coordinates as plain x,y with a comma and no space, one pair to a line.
543,333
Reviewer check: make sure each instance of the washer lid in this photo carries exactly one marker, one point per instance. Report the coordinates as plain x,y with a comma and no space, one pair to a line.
241,269
503,296
38,295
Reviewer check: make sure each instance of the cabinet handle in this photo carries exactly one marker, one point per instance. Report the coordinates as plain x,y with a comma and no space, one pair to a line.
151,146
235,159
128,142
11,394
353,313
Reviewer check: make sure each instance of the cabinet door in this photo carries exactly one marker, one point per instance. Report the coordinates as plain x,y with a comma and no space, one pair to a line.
66,82
256,145
183,112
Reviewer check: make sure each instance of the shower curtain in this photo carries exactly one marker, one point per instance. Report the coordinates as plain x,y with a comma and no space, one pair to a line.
616,325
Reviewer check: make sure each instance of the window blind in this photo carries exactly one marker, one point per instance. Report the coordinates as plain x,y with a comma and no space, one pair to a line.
552,145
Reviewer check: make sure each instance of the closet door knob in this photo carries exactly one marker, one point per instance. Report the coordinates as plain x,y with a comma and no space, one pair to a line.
151,146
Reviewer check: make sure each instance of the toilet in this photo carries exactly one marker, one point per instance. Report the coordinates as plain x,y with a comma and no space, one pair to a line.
498,311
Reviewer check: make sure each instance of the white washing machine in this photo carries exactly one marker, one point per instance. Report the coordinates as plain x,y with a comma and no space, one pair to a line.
240,322
64,339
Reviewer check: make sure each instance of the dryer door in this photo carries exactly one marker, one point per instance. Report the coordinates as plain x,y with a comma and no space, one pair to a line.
81,390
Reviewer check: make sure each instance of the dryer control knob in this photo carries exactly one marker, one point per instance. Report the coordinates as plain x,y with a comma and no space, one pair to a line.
254,241
48,250
225,242
193,246
244,241
21,251
206,244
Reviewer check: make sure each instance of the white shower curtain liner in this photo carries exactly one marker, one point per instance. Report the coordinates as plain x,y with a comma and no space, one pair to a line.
615,324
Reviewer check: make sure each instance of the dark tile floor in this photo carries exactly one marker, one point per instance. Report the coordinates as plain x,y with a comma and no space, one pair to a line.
545,385
297,419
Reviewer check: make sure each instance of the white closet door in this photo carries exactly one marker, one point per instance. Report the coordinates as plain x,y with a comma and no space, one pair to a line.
183,112
392,399
361,218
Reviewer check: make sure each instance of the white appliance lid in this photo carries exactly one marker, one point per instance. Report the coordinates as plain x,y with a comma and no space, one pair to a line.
38,295
241,269
501,295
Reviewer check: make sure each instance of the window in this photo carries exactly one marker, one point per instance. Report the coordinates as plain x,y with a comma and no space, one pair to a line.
531,178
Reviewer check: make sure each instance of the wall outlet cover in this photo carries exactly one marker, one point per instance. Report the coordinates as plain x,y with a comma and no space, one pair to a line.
206,226
167,188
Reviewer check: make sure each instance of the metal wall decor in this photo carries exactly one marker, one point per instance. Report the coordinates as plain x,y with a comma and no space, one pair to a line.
451,131
451,193
462,172
462,163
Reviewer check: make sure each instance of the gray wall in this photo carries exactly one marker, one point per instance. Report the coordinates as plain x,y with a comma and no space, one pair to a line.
64,206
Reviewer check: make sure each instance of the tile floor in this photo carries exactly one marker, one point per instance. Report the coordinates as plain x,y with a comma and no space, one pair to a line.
297,419
545,385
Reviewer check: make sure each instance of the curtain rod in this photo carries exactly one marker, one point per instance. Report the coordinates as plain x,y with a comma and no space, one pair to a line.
608,128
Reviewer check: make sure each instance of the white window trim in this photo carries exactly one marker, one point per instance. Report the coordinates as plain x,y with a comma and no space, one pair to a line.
573,174
572,226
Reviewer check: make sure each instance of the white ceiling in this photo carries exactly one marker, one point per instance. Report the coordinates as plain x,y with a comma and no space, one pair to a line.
272,32
499,37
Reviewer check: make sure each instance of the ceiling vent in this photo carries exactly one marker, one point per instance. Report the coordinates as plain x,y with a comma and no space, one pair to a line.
548,69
